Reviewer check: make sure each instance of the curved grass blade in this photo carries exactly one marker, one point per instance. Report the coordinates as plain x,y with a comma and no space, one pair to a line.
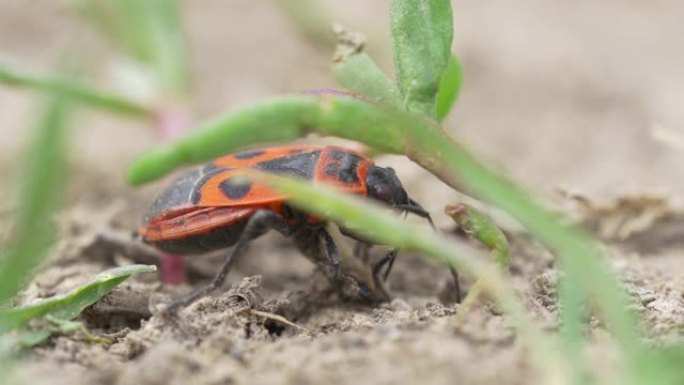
79,92
449,87
72,303
422,31
283,119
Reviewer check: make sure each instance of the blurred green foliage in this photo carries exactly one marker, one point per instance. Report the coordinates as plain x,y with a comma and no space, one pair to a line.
42,185
149,31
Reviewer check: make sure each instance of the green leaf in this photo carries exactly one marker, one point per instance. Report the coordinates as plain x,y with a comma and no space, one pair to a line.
449,87
72,303
360,74
422,31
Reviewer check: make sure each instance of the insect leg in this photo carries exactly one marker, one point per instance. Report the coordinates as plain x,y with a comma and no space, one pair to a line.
260,221
332,252
387,260
334,256
361,250
457,284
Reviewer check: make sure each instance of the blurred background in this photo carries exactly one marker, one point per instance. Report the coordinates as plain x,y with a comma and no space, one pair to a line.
557,94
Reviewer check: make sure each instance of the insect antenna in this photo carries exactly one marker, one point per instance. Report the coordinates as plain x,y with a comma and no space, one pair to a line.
415,208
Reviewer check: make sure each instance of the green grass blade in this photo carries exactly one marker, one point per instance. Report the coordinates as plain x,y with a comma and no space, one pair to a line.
360,74
168,38
41,192
77,91
103,14
122,21
449,87
282,119
659,366
278,119
422,31
72,303
572,298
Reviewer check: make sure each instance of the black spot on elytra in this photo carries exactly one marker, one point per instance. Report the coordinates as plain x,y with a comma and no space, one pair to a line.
331,169
348,176
343,167
299,165
349,169
235,190
248,154
204,175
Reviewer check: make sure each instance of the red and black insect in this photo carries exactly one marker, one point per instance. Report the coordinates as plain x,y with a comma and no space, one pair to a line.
214,207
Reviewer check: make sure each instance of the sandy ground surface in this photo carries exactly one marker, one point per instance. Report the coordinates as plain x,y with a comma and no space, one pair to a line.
558,95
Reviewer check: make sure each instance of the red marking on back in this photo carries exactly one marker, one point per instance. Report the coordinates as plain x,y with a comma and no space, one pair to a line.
362,167
215,209
259,194
200,221
268,154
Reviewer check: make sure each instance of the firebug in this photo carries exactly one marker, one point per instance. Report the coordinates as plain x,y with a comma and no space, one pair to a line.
214,207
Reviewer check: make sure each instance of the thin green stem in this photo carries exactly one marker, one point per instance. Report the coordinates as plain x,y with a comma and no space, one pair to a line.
76,91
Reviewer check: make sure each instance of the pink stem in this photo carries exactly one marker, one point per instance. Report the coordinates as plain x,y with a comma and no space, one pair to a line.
171,123
173,270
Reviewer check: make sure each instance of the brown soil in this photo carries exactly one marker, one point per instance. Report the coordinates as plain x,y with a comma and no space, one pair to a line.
558,95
